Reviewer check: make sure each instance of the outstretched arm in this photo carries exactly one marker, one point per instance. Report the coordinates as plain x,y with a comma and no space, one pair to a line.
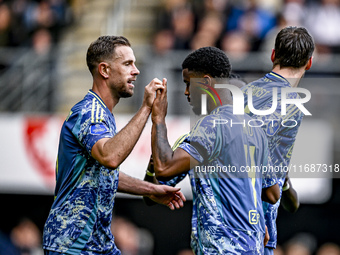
150,173
167,163
111,152
289,200
162,194
150,177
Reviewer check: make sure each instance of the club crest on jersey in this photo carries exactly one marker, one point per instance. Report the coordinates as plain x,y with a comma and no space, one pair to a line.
98,129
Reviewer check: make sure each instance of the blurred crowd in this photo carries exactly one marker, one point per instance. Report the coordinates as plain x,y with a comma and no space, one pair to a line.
243,26
32,23
306,244
24,239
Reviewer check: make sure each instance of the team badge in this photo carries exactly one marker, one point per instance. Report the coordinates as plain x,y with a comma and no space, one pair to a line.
98,129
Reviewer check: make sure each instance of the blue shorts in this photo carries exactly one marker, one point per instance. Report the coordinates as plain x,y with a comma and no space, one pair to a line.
268,251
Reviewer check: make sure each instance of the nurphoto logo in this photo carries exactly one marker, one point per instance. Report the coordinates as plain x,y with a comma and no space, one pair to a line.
238,100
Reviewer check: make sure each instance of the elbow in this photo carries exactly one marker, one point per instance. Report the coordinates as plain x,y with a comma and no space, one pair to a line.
271,200
163,174
109,162
272,194
275,194
113,164
105,159
274,199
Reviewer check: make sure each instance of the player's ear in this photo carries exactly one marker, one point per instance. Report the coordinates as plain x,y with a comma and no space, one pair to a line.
309,63
207,80
103,69
272,57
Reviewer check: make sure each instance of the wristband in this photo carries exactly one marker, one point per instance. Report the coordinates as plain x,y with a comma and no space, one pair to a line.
286,187
148,173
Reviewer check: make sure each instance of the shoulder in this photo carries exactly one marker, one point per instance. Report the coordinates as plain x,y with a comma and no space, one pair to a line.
203,122
260,88
92,109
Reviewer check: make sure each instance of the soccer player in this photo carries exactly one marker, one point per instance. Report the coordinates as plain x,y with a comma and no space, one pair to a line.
90,152
291,57
227,207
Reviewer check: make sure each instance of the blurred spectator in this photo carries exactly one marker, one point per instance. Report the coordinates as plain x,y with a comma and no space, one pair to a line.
202,39
301,244
236,44
20,33
19,19
212,22
130,239
323,21
297,249
215,5
329,249
39,14
278,250
249,18
27,238
209,31
294,12
5,22
177,16
273,6
185,252
42,41
183,27
163,41
269,41
6,246
195,24
166,12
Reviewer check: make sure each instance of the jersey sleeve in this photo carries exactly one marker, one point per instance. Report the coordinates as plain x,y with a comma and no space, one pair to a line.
92,127
177,179
200,142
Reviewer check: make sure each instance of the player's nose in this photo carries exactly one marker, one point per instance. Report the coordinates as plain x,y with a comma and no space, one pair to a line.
135,70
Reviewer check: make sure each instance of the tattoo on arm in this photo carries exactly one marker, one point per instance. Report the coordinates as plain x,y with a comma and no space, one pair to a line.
162,143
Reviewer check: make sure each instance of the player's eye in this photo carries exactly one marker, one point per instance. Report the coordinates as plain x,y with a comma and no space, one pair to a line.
128,63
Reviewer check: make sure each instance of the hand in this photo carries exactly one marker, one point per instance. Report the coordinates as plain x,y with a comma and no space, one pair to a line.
160,105
266,237
169,196
150,91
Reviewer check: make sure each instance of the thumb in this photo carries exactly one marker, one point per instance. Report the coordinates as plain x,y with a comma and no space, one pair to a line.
158,93
174,189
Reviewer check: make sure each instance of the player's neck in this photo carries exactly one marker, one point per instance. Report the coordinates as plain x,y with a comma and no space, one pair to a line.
292,75
103,92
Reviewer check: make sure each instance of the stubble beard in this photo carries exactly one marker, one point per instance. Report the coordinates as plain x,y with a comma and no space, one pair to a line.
126,94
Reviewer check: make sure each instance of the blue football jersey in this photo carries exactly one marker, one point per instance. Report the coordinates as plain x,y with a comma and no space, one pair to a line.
80,218
281,131
227,209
